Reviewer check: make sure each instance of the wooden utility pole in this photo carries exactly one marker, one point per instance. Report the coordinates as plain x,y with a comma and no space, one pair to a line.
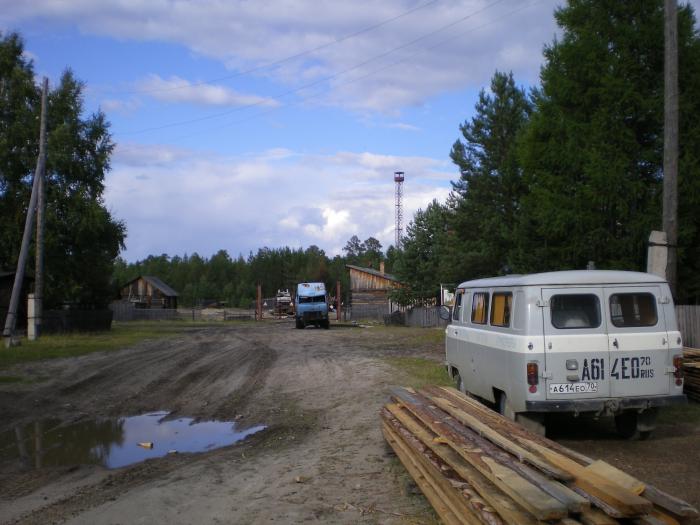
11,319
670,192
40,222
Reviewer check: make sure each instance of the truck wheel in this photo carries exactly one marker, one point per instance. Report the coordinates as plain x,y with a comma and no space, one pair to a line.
626,424
504,407
300,324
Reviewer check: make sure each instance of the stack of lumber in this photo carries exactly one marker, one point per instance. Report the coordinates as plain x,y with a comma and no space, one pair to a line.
691,373
475,466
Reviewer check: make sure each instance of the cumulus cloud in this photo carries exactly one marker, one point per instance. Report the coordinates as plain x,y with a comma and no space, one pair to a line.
182,201
176,89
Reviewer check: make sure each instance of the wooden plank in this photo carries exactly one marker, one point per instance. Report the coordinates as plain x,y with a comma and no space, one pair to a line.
625,502
445,513
526,494
510,428
440,486
597,517
617,476
497,438
502,504
674,505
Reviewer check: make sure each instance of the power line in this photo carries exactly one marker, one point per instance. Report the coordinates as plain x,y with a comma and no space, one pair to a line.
318,81
275,63
374,71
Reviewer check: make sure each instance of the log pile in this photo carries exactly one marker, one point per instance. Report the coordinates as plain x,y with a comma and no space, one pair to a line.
477,467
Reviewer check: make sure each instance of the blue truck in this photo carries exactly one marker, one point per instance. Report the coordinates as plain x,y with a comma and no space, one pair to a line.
311,305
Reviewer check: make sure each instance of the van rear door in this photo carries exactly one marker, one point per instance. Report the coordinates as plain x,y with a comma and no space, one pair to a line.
638,341
577,356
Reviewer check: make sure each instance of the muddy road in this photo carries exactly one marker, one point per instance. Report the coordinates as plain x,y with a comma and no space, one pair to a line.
320,459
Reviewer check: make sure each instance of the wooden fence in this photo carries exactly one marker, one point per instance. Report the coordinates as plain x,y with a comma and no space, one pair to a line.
688,316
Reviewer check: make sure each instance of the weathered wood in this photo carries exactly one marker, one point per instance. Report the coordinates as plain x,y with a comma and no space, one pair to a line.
508,427
449,497
501,503
597,517
478,452
497,438
617,476
443,510
670,503
627,503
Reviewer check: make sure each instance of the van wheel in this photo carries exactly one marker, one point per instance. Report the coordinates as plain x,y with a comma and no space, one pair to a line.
459,384
300,324
626,424
504,407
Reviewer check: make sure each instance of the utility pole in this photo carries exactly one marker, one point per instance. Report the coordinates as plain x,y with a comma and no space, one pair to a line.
40,222
670,188
11,319
398,227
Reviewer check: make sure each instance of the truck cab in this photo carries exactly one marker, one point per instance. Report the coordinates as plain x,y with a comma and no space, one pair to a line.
311,305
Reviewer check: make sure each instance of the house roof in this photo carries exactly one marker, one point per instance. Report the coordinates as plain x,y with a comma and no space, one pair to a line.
374,272
154,281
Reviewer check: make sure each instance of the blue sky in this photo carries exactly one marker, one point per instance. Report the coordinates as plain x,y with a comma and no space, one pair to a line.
245,124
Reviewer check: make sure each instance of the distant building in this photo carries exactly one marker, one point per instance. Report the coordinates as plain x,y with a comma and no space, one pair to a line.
370,288
149,292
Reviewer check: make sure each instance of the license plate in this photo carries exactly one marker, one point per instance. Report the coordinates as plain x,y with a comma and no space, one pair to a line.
573,388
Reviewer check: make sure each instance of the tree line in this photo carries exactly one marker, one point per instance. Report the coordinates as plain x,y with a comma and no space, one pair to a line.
571,171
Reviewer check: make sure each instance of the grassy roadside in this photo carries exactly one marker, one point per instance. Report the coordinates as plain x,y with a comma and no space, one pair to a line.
420,371
71,345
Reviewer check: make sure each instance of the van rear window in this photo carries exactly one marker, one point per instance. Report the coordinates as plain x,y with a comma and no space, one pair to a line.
480,307
572,311
633,309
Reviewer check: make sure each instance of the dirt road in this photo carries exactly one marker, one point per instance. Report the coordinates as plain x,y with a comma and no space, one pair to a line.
321,459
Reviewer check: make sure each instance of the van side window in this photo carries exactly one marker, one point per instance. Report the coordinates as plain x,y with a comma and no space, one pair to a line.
501,306
458,305
575,311
480,307
633,309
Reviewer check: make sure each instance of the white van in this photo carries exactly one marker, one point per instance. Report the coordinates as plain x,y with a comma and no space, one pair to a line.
598,342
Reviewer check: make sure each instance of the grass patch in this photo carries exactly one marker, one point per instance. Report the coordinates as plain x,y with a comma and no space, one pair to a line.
72,345
421,371
11,379
672,415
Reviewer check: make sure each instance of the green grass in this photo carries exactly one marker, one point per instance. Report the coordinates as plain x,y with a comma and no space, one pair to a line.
11,379
421,371
72,345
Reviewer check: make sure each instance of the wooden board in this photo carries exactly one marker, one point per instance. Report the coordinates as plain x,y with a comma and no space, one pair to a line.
617,476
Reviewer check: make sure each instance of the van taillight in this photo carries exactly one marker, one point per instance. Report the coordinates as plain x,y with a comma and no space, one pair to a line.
678,365
533,376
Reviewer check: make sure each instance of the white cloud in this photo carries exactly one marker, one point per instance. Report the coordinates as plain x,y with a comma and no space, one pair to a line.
176,89
399,64
177,201
120,106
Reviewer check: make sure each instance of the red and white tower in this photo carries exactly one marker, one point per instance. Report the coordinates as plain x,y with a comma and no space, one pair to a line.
398,180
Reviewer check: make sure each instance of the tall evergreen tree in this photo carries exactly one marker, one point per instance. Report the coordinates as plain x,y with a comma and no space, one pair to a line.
592,153
486,198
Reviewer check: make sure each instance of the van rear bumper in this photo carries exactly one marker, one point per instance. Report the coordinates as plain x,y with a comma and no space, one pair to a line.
609,405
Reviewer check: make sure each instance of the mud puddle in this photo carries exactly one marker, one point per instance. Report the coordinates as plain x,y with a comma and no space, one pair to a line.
115,443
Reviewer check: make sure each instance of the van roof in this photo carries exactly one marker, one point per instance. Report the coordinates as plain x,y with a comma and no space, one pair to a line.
566,278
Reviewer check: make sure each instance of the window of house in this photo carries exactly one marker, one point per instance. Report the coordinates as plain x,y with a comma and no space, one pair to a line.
501,306
456,311
633,309
575,311
480,307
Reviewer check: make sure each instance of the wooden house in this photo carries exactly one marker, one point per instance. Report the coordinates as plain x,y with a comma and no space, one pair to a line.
149,292
370,287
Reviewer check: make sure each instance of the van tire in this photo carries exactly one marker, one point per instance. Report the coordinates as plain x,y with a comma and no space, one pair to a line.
459,384
504,407
626,424
300,324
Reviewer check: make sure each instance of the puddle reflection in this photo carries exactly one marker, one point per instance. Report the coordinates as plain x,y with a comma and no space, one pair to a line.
114,443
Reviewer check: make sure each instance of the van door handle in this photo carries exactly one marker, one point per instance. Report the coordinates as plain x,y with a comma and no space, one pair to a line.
663,341
615,343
